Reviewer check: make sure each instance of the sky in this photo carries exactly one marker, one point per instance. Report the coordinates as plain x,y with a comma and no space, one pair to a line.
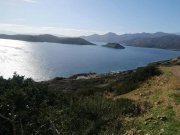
85,17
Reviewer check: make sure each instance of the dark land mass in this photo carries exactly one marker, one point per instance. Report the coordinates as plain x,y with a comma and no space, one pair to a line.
114,45
47,38
171,42
150,40
113,37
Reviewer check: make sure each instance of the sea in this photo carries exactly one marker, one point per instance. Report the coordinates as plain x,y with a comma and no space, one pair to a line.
45,61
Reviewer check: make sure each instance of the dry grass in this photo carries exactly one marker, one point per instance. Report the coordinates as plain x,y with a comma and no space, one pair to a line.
159,91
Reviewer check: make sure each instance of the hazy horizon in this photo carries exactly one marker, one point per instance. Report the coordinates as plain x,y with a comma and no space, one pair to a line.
11,33
77,18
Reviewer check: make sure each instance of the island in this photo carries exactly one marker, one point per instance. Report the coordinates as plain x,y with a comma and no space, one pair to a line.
47,38
114,45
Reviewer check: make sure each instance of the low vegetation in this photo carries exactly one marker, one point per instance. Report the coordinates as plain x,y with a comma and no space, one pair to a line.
27,107
133,81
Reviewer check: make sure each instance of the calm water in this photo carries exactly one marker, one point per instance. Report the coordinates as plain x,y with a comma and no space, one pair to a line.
43,61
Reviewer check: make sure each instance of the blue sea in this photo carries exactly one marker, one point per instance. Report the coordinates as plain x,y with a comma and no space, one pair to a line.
44,61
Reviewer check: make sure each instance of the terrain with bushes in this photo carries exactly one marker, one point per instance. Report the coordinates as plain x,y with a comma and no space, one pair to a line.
141,101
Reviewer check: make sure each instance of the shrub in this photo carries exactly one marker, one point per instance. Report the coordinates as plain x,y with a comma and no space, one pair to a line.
29,107
136,78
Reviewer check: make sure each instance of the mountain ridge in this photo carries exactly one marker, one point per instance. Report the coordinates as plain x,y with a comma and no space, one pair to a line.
171,42
113,37
151,40
47,38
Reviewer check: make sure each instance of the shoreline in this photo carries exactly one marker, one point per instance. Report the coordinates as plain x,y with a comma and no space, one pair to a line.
94,75
152,47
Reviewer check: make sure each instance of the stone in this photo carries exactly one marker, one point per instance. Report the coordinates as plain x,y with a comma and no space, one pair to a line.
145,123
149,118
139,131
161,117
161,131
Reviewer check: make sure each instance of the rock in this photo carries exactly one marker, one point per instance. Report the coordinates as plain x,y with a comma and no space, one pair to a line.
83,76
130,132
149,118
157,103
155,122
161,131
139,131
145,123
161,117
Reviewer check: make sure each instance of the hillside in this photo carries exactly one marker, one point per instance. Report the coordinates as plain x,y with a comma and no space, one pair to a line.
151,40
112,37
135,102
109,37
47,38
166,42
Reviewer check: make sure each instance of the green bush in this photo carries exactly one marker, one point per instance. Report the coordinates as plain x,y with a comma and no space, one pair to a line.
132,81
28,107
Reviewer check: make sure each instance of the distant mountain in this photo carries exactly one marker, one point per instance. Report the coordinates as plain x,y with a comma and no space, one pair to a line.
109,37
177,33
47,38
153,40
112,37
165,42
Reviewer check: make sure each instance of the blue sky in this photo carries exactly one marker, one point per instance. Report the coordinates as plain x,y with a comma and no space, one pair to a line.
84,17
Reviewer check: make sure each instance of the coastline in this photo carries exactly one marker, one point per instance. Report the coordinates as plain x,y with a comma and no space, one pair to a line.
99,76
152,47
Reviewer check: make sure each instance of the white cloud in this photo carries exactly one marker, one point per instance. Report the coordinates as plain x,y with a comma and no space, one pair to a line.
25,29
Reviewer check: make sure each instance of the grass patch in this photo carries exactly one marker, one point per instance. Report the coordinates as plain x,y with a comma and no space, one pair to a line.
176,97
157,126
136,78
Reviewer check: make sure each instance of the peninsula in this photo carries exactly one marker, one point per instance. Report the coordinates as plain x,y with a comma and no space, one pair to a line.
47,38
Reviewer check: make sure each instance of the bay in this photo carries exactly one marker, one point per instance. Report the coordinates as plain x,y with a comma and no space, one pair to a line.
44,61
